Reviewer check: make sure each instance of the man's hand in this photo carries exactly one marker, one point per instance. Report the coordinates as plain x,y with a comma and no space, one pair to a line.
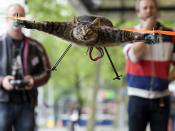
6,83
31,82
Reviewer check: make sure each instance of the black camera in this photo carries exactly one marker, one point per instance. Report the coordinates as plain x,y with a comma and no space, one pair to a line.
19,82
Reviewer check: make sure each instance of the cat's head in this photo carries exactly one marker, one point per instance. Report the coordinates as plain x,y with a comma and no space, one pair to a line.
86,31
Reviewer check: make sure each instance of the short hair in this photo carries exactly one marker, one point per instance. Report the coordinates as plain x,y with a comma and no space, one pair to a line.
14,5
138,4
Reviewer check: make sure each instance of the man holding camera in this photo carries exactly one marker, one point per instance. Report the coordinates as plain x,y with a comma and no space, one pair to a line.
23,67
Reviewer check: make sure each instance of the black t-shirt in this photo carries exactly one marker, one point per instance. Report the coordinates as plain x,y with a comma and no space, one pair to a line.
18,96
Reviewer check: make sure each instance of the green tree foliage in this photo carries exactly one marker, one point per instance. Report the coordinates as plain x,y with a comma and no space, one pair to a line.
74,62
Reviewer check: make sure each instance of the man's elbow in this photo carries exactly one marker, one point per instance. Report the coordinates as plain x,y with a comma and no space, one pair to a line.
132,56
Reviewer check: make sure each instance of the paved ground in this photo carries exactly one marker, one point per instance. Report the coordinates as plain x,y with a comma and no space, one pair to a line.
82,129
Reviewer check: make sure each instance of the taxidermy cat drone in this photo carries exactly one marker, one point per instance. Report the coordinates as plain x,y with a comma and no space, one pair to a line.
91,31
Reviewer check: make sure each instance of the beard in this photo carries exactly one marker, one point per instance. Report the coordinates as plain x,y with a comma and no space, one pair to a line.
16,29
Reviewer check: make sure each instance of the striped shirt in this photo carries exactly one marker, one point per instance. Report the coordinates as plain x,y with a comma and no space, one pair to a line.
148,77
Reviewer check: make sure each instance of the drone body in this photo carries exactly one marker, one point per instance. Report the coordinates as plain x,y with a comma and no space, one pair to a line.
89,31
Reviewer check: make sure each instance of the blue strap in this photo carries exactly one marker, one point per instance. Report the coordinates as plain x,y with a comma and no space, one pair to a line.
152,37
18,23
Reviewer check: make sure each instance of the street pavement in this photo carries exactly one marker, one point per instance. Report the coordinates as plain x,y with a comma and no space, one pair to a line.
83,129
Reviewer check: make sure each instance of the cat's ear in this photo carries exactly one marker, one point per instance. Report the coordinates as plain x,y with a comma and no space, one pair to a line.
96,22
75,21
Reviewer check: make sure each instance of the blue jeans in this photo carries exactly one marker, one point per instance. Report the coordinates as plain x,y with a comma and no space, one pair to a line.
17,116
143,111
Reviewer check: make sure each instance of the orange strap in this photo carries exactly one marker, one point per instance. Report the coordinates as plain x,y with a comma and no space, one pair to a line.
150,31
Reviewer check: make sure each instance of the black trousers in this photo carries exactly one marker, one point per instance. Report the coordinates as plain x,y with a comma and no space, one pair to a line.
143,111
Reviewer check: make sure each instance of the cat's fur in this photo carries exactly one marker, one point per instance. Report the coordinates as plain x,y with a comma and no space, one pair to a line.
87,31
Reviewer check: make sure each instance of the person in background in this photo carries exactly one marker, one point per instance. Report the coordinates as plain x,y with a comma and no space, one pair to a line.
148,73
24,66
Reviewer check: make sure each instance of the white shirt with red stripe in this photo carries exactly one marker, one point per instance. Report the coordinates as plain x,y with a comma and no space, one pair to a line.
148,77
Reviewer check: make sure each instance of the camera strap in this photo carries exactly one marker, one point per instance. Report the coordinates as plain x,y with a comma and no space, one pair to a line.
17,50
